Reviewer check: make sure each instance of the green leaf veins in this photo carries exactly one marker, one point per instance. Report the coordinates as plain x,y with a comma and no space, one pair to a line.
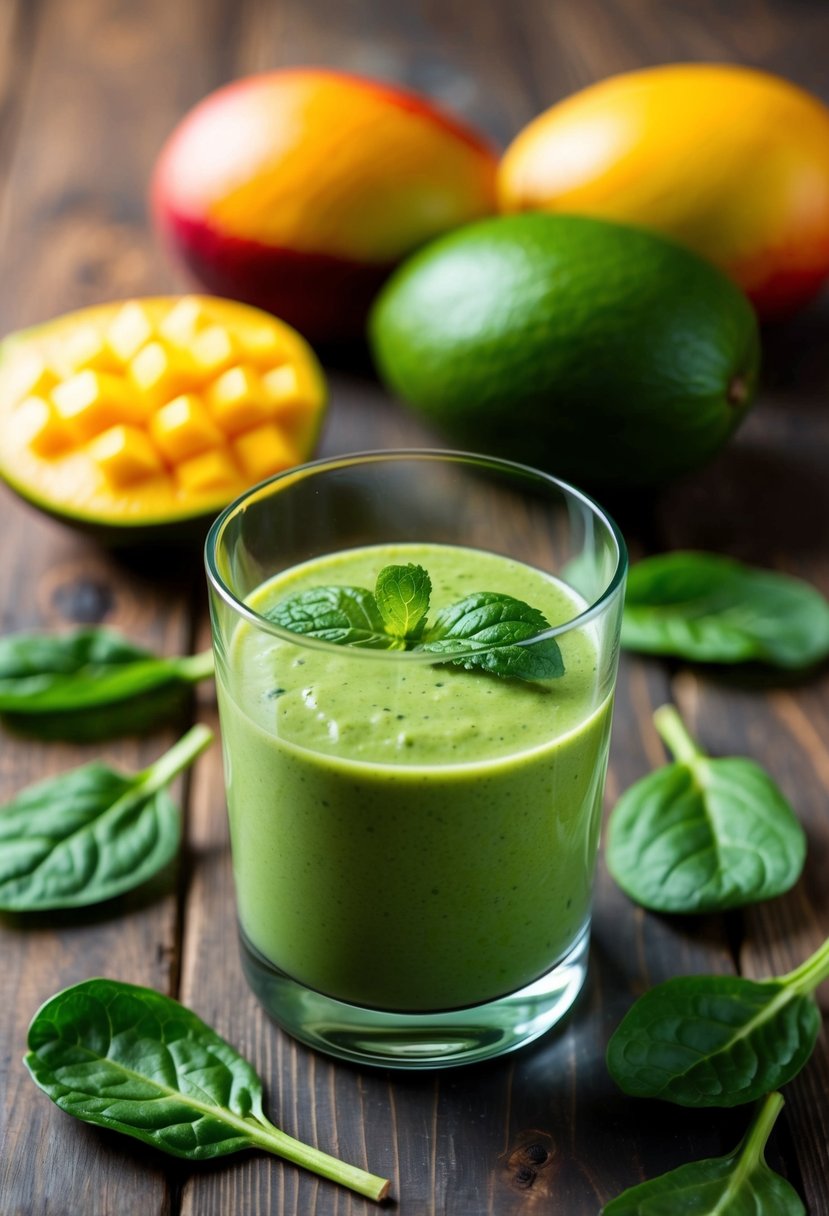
92,833
402,594
703,835
718,1040
486,631
135,1061
739,1184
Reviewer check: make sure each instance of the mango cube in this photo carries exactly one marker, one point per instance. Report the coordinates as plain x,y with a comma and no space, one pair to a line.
91,402
30,375
160,373
212,471
183,321
285,392
264,451
45,434
183,428
262,344
238,400
131,329
213,350
125,455
88,347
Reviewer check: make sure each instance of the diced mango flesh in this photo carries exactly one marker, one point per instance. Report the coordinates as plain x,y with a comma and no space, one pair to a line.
131,328
262,346
285,391
174,391
183,428
159,372
264,451
31,376
213,350
125,455
46,434
183,322
210,471
238,400
88,347
91,402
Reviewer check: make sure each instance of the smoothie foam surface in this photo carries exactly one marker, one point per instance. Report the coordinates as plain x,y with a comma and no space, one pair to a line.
403,708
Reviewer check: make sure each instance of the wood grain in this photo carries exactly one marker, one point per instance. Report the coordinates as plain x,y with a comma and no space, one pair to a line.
88,91
73,232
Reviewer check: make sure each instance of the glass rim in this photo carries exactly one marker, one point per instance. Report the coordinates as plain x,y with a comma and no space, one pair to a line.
377,456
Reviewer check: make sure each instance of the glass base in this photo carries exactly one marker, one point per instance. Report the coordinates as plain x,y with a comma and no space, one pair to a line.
418,1040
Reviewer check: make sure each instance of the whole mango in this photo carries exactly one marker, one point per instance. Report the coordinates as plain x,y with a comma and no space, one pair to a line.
730,161
298,191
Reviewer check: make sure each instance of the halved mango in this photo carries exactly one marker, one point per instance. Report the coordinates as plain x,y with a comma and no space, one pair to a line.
151,412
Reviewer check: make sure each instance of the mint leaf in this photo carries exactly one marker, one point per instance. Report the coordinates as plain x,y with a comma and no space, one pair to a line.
402,595
348,616
484,630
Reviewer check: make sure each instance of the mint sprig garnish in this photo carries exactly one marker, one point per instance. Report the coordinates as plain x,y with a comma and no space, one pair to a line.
486,631
402,594
348,616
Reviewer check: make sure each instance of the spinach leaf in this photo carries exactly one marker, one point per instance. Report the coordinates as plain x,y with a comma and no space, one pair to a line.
133,1060
402,595
347,616
484,630
712,609
718,1040
703,835
91,684
92,833
739,1183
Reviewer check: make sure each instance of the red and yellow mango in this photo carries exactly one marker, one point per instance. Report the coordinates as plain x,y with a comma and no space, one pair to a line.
298,190
730,161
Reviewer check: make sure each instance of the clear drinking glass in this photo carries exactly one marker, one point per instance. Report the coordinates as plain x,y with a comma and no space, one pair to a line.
414,843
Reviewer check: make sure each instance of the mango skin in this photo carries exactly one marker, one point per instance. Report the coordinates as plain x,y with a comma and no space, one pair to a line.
299,190
730,161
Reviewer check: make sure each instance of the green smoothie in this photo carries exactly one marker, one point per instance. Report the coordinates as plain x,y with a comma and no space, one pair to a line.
407,835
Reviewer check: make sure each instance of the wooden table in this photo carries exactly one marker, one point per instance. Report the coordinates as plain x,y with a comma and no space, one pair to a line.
89,90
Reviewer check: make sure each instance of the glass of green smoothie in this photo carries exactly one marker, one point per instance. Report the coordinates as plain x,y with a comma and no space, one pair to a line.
416,656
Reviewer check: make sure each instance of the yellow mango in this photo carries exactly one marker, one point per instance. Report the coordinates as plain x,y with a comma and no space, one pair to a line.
264,451
207,473
183,428
90,402
159,372
125,455
48,435
238,400
129,330
213,350
154,411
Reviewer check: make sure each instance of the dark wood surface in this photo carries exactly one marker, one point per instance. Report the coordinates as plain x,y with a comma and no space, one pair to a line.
88,91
